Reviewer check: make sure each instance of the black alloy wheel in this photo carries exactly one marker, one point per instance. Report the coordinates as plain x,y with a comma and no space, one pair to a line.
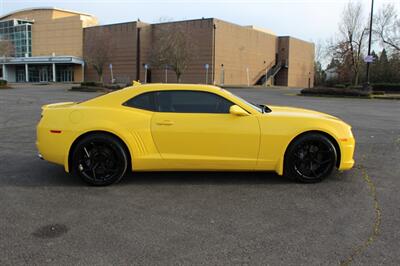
99,159
310,158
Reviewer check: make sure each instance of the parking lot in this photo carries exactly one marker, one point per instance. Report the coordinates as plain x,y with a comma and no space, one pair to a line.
49,217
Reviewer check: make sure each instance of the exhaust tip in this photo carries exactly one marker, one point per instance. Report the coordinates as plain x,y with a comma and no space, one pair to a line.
40,156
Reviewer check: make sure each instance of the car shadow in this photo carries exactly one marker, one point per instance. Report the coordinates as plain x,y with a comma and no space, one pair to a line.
204,178
37,173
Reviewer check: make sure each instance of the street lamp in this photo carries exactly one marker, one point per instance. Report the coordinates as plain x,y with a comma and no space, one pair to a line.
366,86
146,67
166,73
222,81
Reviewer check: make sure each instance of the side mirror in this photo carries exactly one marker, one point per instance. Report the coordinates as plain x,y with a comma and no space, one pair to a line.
237,110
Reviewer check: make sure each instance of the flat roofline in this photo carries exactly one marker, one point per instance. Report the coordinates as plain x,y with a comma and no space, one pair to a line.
42,60
44,8
179,21
159,23
291,37
114,24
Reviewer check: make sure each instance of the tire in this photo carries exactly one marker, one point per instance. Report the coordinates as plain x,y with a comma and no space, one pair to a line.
310,158
99,159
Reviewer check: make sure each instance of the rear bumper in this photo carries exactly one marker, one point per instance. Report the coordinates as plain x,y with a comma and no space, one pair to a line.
52,147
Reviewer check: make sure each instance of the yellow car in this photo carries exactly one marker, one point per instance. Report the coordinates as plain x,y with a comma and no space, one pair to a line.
178,127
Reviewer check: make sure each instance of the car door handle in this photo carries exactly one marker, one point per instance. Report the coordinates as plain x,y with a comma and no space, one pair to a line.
165,123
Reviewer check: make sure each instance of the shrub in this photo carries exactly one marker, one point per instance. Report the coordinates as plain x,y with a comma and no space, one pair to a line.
351,91
3,82
386,87
86,88
112,86
348,84
340,86
358,87
91,84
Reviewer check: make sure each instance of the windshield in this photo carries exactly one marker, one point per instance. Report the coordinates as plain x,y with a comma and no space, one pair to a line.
259,108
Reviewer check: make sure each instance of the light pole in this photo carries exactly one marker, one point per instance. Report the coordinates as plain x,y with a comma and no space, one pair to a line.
206,66
222,81
369,43
248,76
146,67
166,73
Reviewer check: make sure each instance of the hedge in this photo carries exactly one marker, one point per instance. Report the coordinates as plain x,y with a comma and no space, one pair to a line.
386,87
91,84
379,87
340,86
351,91
113,86
3,82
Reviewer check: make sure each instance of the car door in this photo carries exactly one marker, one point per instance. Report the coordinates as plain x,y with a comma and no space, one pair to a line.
194,130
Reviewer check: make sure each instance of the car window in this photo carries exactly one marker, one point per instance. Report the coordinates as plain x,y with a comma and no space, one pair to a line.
191,102
143,101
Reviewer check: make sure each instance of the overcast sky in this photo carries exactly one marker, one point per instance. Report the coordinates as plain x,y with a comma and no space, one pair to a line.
310,20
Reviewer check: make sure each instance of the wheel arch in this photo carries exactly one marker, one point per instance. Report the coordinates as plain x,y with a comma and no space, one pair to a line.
329,136
88,133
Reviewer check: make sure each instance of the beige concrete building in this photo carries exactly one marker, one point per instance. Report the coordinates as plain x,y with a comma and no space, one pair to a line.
234,54
50,45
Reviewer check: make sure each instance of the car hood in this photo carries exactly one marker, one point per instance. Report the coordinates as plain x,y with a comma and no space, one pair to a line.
292,111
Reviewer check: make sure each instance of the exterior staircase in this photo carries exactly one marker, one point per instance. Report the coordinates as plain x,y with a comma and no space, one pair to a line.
271,72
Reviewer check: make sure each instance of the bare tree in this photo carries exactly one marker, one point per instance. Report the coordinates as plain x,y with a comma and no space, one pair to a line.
388,27
351,38
172,47
98,51
319,73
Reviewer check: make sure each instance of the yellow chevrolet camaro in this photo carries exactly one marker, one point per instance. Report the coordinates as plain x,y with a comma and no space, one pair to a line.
177,127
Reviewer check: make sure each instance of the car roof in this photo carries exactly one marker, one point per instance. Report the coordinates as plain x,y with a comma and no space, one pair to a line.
175,86
126,93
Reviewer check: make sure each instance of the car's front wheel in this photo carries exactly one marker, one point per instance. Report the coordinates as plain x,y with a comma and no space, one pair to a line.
99,159
310,158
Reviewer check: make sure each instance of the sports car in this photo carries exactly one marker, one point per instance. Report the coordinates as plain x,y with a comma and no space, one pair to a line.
183,127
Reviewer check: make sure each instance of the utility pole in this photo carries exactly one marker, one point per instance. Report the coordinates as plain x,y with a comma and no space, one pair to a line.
369,43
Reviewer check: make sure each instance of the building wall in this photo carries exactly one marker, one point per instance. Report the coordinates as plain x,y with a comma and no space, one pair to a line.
212,41
301,63
124,46
281,79
78,73
123,55
237,48
199,33
55,31
146,40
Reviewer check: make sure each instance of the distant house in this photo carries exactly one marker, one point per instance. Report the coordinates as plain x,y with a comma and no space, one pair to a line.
331,73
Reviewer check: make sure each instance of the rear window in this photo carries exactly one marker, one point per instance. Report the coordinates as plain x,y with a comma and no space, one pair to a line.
143,101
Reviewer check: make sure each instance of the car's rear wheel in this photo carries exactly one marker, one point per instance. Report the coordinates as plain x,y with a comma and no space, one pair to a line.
310,158
99,159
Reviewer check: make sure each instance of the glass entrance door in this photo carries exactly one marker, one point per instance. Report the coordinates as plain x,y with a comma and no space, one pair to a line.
43,74
20,74
40,73
65,73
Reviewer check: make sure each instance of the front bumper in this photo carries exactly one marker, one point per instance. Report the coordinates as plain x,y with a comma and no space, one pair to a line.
347,153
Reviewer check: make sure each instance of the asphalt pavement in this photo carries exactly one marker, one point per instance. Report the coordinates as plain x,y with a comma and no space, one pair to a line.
48,217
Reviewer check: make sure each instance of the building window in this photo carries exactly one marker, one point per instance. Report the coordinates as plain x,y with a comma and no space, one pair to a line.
19,32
